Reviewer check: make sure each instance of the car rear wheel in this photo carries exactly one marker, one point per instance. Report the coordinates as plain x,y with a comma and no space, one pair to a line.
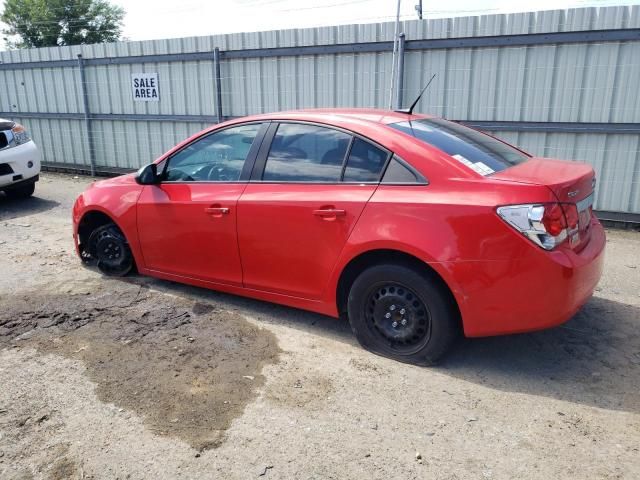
24,191
401,313
110,250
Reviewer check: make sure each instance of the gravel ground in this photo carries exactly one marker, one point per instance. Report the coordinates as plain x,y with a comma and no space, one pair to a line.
142,378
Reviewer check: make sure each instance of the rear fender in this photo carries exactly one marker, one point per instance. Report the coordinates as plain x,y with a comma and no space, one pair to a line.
353,251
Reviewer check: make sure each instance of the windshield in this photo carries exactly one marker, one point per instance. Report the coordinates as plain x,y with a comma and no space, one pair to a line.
480,152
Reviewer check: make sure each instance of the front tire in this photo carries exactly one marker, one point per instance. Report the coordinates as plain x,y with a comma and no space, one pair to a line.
402,313
110,250
24,191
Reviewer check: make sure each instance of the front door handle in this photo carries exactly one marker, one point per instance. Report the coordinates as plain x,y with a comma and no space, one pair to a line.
217,211
329,212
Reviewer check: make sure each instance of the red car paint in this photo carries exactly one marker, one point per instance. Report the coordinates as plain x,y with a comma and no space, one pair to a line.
277,242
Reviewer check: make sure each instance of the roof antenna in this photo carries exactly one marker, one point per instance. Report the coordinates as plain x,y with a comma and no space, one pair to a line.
409,110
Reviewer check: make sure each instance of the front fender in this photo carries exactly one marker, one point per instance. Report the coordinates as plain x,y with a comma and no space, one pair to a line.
117,199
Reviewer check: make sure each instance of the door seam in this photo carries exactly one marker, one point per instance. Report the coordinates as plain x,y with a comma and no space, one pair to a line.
355,224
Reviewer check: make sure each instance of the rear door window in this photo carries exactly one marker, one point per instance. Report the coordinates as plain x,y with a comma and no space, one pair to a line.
306,153
365,162
478,151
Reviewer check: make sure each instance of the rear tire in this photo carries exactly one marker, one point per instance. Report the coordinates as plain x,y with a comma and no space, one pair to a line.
24,191
402,313
110,250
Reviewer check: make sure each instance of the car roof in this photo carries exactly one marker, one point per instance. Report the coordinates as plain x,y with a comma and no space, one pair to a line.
367,122
333,115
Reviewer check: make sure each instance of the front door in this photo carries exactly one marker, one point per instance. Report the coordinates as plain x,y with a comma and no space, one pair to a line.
187,223
295,217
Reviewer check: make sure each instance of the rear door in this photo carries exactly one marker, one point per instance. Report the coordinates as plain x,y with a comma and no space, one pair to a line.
187,223
308,189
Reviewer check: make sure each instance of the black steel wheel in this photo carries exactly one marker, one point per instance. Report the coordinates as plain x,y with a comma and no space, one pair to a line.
402,313
110,250
396,313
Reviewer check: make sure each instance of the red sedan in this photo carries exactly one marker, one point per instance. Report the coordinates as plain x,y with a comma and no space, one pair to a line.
413,227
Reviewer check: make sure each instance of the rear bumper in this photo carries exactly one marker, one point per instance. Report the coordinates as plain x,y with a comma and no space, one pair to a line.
535,291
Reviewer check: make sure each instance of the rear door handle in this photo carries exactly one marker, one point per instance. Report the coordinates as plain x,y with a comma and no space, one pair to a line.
329,212
217,211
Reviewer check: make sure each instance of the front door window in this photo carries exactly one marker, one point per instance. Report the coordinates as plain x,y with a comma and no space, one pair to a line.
218,157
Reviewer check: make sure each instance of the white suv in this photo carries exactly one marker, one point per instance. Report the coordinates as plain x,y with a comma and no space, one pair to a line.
19,160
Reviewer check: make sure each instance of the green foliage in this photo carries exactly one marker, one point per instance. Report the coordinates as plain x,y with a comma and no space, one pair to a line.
50,23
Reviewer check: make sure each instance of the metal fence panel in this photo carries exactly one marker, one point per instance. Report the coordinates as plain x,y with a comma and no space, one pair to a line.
517,74
615,159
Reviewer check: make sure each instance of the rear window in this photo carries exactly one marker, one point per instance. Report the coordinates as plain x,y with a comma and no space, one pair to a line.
476,150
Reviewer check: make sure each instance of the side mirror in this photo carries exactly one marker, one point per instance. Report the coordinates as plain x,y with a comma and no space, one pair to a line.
148,175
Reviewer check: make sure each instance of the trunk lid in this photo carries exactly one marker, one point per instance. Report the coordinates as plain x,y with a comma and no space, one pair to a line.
571,182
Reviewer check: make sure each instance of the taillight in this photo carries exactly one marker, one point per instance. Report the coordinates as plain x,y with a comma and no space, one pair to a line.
545,224
571,214
553,219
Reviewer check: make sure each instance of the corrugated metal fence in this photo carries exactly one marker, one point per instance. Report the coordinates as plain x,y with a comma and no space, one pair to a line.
561,83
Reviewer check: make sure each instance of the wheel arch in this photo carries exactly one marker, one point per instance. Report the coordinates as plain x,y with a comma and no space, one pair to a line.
93,218
90,220
379,256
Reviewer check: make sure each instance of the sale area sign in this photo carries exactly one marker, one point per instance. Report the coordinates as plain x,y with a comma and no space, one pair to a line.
145,87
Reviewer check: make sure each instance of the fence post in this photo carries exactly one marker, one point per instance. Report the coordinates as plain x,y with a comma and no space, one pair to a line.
216,66
400,83
87,117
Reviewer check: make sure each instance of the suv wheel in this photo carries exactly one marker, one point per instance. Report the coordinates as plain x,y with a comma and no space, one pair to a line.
24,191
398,312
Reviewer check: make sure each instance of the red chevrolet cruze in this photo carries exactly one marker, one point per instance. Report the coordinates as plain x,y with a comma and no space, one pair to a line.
413,227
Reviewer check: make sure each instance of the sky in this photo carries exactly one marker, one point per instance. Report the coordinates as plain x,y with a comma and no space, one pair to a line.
155,19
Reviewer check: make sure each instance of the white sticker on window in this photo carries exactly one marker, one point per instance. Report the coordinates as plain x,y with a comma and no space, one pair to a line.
477,167
482,169
461,159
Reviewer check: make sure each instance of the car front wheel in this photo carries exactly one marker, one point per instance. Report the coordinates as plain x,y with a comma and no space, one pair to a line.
110,250
402,313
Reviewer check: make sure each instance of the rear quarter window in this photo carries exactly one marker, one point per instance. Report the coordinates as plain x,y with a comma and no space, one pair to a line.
478,151
399,173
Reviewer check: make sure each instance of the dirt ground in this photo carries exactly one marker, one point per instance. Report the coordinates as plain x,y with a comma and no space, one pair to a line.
145,379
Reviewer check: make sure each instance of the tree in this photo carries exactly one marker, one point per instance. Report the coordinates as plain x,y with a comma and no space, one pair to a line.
50,23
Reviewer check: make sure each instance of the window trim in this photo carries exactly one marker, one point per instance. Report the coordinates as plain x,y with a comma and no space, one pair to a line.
265,148
345,159
248,163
